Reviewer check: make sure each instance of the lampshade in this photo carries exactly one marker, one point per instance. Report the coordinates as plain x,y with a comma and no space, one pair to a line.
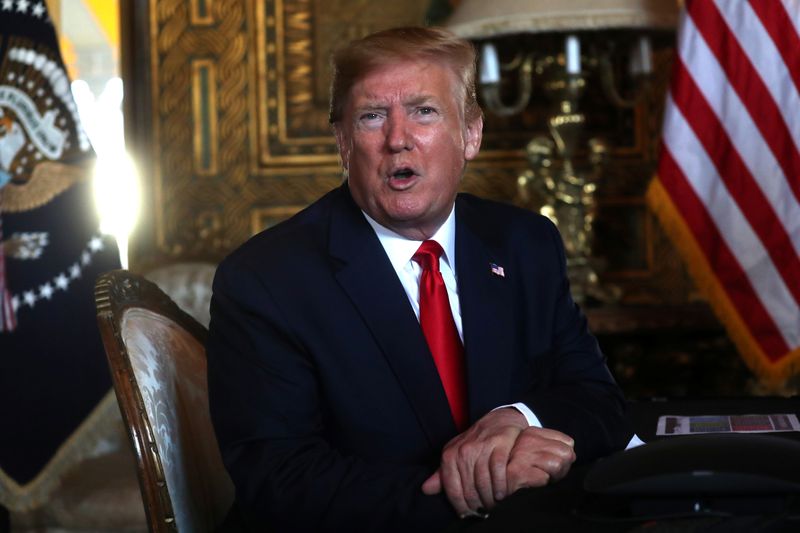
475,19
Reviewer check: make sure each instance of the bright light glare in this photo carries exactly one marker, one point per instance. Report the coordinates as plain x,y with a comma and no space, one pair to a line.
116,182
116,193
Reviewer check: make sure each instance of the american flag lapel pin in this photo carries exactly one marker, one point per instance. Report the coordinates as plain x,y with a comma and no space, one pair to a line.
497,270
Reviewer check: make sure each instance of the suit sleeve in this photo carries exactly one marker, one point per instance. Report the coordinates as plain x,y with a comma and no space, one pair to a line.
574,392
269,415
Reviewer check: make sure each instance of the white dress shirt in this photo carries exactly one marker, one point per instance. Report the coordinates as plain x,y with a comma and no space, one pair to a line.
400,251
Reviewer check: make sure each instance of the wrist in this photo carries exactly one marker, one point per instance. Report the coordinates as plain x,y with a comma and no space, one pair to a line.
530,418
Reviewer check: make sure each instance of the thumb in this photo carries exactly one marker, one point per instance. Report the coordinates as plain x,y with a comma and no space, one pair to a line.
433,485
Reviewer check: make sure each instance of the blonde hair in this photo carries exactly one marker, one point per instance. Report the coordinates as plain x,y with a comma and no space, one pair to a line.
362,56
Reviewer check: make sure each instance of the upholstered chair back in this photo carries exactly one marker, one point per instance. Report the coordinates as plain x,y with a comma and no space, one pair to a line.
157,358
188,284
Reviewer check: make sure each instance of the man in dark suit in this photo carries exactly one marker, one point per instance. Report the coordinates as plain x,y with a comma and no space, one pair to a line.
335,406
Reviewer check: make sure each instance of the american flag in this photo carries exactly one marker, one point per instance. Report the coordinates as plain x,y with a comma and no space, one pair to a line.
728,183
497,270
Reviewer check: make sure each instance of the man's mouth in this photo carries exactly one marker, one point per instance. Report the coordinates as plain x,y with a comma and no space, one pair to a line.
402,178
402,173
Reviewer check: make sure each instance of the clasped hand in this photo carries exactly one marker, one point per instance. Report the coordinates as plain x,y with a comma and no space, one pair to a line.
495,457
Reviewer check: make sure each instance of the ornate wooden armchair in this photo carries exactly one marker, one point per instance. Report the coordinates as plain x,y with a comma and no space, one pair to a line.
157,358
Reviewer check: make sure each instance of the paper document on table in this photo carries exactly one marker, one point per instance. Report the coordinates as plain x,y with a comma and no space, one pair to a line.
689,425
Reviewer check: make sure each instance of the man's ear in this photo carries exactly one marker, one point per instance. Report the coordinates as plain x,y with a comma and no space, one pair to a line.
343,144
474,135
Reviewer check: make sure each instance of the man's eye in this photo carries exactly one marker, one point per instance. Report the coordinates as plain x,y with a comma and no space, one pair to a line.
369,116
426,111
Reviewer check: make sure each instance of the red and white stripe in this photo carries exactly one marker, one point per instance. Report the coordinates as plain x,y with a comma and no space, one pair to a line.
731,158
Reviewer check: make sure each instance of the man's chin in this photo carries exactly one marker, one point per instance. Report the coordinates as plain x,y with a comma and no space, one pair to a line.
416,225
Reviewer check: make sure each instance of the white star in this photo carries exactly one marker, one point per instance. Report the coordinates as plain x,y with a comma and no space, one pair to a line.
22,6
75,271
8,5
15,302
29,298
62,281
86,258
46,291
96,244
38,10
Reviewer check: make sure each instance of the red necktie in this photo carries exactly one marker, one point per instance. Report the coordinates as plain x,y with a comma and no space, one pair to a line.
440,331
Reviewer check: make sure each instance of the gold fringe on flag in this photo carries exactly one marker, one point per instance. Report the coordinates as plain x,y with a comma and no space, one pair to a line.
100,430
773,374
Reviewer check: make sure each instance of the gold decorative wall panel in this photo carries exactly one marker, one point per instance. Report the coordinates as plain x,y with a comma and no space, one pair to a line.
201,12
204,116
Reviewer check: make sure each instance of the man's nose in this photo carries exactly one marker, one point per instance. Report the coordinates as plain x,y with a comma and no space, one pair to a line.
398,135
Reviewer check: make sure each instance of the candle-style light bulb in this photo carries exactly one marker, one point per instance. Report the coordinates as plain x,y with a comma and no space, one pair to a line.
490,65
573,54
641,62
645,55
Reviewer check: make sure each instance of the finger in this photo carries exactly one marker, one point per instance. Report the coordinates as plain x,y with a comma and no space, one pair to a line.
451,483
532,442
468,461
483,484
554,457
556,466
522,476
550,434
433,485
537,459
531,461
498,463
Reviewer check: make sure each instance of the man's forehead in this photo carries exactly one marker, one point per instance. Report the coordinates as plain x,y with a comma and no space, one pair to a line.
406,82
385,98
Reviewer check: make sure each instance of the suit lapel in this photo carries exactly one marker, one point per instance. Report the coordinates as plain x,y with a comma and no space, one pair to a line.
367,276
486,311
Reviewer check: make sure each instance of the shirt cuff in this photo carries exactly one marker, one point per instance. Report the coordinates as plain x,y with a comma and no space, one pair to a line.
532,419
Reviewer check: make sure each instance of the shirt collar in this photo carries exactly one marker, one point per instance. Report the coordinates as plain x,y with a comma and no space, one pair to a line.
400,250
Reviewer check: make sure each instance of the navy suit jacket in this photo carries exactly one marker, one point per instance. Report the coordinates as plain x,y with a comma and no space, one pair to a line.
326,401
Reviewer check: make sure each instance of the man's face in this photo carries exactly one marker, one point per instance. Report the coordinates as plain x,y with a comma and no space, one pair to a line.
404,142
